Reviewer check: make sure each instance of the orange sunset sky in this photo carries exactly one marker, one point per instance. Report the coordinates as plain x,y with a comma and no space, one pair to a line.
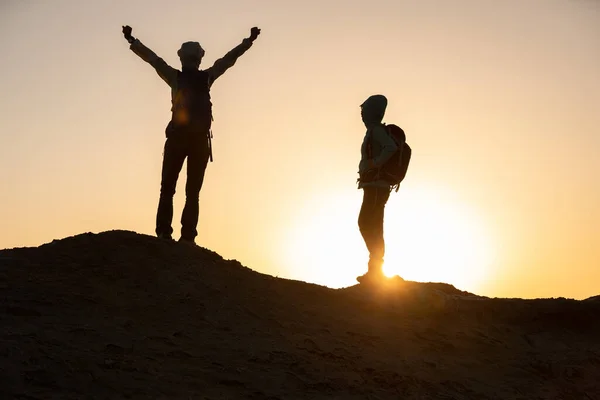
500,101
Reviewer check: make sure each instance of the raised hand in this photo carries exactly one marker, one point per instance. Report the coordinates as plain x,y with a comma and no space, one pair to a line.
254,32
127,33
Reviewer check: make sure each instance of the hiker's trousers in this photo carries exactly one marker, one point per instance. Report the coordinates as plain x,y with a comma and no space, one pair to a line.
370,223
181,144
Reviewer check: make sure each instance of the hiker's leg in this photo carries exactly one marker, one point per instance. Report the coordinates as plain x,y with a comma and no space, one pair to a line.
366,218
370,222
196,168
173,158
378,244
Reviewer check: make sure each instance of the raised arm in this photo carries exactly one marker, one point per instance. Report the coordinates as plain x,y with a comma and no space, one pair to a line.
229,59
164,70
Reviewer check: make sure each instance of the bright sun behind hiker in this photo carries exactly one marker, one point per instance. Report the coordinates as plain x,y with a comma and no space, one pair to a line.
430,236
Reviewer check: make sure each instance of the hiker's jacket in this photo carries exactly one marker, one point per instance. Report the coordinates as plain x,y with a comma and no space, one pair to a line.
382,145
169,74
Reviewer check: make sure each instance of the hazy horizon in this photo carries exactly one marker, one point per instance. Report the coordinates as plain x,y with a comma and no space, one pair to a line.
499,101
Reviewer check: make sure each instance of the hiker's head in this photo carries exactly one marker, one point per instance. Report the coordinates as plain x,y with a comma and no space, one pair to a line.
190,54
373,109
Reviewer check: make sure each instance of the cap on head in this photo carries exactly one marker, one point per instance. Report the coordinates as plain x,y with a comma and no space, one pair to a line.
190,50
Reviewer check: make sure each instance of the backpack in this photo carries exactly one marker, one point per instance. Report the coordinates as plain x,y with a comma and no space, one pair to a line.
192,103
394,170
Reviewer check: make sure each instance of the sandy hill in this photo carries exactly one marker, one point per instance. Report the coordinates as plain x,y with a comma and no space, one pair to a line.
122,315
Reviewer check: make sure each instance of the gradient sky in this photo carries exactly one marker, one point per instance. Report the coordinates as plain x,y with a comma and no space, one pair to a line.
500,101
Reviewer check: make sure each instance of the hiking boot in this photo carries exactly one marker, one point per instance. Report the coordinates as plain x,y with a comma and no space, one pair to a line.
165,236
189,242
374,271
371,277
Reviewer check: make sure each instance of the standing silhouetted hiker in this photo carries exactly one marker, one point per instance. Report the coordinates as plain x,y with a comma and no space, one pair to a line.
383,165
189,131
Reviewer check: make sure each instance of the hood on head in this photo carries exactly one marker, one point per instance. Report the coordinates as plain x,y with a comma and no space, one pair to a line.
373,109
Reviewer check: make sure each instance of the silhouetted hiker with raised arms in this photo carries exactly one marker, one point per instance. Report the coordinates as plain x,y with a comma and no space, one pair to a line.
383,165
189,131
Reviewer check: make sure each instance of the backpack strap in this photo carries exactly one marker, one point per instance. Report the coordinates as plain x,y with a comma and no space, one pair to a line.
210,149
370,152
369,139
369,146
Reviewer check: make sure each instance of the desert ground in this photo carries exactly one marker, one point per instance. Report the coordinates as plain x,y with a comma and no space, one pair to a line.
119,315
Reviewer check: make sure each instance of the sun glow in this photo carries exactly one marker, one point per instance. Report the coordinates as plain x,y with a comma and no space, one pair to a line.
430,236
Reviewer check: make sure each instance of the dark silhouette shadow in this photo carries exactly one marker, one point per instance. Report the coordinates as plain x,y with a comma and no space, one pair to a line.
188,134
385,157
